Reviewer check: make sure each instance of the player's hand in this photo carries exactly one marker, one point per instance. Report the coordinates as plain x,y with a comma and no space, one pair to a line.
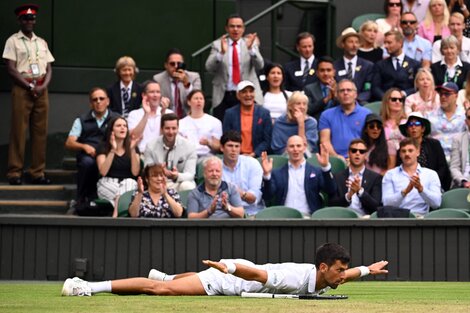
378,268
217,265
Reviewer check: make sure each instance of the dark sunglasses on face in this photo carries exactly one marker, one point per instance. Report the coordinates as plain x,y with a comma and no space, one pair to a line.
394,4
445,94
395,99
414,123
408,22
354,150
98,99
374,126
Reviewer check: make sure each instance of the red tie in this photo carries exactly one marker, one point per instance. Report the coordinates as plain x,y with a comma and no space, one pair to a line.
176,98
235,64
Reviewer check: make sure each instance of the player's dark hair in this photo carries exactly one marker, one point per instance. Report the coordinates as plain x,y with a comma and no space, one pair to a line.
230,135
329,253
168,117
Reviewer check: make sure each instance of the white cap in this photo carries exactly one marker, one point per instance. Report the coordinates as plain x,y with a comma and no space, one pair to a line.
243,84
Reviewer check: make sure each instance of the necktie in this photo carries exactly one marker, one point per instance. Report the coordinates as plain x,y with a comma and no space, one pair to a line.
235,64
349,73
397,64
306,70
177,101
125,100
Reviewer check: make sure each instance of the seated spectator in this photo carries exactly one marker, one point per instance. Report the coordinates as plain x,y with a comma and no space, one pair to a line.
301,72
425,100
275,96
214,198
450,68
463,97
397,71
414,45
351,66
339,125
435,23
410,185
431,154
369,49
125,95
153,198
298,183
322,93
144,123
418,7
252,121
381,154
460,7
456,25
176,82
295,122
242,171
358,188
199,127
459,161
118,162
86,134
177,153
393,114
393,10
449,120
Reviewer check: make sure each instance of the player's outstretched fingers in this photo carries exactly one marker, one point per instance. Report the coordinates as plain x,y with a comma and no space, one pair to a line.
378,268
217,265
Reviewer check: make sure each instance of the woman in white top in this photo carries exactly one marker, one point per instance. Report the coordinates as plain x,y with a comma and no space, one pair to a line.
275,97
426,99
199,127
393,10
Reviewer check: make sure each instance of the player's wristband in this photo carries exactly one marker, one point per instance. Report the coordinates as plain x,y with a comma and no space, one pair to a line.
364,270
231,267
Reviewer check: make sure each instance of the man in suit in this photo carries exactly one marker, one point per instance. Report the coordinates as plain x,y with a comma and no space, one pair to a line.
252,121
125,95
233,58
322,93
352,67
298,183
459,164
176,82
396,71
301,72
358,187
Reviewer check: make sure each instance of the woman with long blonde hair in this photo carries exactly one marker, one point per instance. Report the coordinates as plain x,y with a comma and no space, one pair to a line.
425,99
393,114
435,25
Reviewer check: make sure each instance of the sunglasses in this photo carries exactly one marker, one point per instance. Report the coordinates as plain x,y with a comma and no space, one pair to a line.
415,123
408,22
97,99
374,126
354,150
446,94
394,4
394,99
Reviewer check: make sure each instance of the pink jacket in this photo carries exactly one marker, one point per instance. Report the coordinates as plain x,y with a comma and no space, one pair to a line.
428,32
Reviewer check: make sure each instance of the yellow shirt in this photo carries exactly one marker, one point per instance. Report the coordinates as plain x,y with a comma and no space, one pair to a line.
18,47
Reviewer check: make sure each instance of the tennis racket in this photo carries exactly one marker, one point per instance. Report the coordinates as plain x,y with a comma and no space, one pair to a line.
290,296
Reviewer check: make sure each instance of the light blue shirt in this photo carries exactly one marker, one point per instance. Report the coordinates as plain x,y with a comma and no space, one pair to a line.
248,176
396,180
296,197
419,49
76,129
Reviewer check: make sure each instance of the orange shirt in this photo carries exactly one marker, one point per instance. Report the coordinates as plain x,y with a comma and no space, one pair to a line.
246,121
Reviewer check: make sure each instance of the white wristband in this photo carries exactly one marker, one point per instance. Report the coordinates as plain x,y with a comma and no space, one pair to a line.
364,270
231,267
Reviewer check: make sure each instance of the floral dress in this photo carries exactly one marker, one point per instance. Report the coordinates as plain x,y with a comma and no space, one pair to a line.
161,209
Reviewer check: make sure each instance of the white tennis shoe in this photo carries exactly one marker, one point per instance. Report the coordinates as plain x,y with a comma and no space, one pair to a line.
156,275
76,287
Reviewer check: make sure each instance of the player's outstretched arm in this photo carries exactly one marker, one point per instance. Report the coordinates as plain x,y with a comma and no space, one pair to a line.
239,270
376,268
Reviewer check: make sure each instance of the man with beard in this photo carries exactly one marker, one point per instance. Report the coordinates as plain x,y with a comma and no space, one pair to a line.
415,46
214,198
231,277
410,185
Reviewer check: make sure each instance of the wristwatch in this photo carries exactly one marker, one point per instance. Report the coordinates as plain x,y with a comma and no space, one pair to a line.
229,208
31,86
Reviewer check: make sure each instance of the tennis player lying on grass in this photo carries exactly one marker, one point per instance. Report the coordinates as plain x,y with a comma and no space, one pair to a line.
233,276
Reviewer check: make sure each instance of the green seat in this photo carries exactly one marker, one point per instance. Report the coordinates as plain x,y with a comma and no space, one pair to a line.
337,164
278,160
374,106
334,212
184,197
359,20
374,215
447,213
275,212
456,199
123,203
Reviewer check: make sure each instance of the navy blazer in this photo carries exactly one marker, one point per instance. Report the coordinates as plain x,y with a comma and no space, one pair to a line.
293,82
262,128
275,189
370,199
386,77
439,72
362,77
315,100
115,101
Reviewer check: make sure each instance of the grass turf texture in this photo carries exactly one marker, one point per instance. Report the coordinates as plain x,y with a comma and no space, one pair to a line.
429,297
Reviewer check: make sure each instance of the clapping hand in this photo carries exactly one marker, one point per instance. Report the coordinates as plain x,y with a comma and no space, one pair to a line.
134,141
266,163
324,156
112,142
146,104
140,184
223,44
250,39
164,103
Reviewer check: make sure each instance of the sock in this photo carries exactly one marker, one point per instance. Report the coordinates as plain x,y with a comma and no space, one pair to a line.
169,277
102,286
